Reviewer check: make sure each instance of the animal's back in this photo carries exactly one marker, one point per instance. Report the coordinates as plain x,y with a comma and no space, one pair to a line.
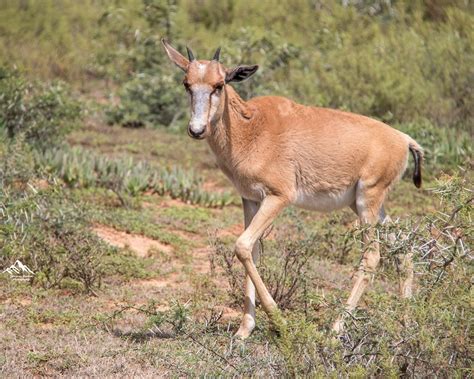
330,150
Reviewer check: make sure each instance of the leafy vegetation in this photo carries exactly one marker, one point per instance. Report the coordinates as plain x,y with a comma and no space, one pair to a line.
398,61
386,63
440,244
44,114
40,227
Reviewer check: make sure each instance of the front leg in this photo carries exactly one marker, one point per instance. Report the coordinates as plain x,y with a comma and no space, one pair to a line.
248,320
270,207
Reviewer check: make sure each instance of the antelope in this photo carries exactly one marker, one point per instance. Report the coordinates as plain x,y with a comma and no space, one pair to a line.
279,153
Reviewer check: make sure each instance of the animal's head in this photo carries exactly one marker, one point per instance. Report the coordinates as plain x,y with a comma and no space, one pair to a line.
205,82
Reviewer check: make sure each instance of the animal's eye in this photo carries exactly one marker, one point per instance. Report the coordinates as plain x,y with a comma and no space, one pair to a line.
218,87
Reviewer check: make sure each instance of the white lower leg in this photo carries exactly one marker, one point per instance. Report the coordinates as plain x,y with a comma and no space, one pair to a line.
363,276
248,320
406,276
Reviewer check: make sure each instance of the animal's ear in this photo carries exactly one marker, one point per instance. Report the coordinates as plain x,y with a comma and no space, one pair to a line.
240,73
175,56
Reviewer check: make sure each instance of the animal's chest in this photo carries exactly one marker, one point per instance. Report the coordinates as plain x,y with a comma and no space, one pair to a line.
245,182
247,185
245,167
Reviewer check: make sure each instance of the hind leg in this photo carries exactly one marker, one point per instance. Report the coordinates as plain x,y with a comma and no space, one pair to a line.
369,202
404,264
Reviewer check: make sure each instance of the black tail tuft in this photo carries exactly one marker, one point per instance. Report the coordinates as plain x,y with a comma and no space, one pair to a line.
417,157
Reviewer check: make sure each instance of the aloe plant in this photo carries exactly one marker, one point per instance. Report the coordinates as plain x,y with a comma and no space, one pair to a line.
81,168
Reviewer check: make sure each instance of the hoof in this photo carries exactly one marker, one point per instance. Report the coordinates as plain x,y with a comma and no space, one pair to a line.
243,333
246,327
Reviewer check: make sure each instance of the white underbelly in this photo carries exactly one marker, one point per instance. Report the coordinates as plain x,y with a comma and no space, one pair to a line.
325,201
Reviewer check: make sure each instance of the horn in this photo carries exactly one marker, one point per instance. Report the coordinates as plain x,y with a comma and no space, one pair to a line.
190,54
216,54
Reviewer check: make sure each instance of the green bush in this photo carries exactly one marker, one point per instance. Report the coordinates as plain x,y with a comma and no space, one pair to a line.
393,61
41,227
397,61
149,99
151,95
43,113
64,40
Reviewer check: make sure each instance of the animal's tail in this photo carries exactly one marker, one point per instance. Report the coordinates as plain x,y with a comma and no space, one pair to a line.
417,153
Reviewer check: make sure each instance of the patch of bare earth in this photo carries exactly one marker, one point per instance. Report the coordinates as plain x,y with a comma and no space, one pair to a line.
234,230
140,245
176,278
143,247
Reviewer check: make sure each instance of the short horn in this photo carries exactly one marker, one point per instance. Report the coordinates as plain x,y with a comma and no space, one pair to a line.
217,54
190,54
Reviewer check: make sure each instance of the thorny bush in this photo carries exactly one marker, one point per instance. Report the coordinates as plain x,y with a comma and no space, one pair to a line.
427,335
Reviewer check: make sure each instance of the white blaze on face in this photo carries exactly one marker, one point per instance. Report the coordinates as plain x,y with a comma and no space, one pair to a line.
204,102
199,108
199,103
202,68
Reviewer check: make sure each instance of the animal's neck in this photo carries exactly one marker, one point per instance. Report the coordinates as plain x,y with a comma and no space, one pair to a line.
233,131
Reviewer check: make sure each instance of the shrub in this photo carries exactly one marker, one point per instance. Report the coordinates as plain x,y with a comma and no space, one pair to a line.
283,266
17,163
427,335
41,228
391,61
151,95
397,61
149,99
44,114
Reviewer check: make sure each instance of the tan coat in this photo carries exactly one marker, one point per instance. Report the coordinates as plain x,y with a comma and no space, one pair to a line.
277,152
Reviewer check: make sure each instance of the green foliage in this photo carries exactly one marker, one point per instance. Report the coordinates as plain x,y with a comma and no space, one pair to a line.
50,39
17,165
149,99
44,114
392,61
81,168
42,228
398,61
150,96
47,229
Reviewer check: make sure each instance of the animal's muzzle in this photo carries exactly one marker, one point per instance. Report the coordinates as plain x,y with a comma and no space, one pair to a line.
197,133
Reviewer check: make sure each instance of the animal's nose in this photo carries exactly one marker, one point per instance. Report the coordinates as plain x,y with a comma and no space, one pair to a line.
197,132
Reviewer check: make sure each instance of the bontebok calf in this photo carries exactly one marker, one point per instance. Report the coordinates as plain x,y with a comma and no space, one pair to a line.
277,153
